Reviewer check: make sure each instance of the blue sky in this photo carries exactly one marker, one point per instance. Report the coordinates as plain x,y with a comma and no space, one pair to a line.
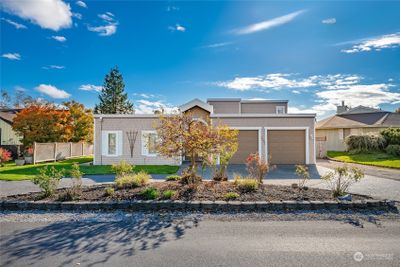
314,54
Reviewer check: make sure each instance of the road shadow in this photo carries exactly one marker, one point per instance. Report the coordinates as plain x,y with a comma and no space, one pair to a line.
101,239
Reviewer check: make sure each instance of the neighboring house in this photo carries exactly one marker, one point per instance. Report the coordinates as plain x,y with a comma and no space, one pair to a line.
356,121
264,127
7,135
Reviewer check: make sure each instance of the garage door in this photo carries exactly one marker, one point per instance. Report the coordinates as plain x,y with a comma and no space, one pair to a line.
248,143
286,147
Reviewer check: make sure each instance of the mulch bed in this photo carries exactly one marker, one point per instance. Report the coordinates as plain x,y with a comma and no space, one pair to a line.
210,191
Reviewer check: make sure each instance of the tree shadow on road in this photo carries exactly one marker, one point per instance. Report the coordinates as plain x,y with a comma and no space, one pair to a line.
99,240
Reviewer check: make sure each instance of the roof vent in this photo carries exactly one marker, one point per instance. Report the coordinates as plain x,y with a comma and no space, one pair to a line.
341,109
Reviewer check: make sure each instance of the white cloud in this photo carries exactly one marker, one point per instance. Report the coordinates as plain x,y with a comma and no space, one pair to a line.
296,92
57,67
90,87
106,30
217,45
81,4
77,15
144,106
17,25
52,91
144,95
59,38
48,14
177,27
12,56
329,21
376,43
268,24
107,17
172,8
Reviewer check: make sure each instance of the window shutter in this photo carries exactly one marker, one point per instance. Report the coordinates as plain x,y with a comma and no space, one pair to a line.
119,143
104,143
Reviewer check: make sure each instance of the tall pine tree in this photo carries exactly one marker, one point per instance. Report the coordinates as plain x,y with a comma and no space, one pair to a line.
113,99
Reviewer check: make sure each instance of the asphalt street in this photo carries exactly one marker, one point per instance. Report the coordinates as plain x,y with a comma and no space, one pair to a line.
196,241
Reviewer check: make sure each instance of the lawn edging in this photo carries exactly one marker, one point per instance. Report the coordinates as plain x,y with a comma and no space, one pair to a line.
363,164
201,206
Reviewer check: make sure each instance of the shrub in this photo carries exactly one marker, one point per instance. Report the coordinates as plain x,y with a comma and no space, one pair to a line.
48,180
257,167
393,150
246,184
392,136
132,180
341,178
365,143
5,156
231,196
304,175
122,168
173,178
150,193
169,194
190,177
109,191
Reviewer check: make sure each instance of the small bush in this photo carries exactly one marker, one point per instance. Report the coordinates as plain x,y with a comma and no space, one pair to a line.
150,193
48,180
341,178
132,180
5,156
109,191
393,150
392,136
246,184
76,176
122,168
365,143
173,178
304,175
231,196
169,194
257,167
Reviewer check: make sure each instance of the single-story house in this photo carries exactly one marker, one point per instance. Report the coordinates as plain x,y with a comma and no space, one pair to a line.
264,127
7,135
347,121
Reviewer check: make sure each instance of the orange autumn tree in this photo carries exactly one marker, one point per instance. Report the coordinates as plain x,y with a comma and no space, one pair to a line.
181,134
81,122
43,123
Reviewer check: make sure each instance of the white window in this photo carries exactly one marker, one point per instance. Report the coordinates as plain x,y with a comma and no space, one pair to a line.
341,134
149,143
112,143
280,109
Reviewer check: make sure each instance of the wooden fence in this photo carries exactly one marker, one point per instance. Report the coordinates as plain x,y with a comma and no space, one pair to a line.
59,151
320,147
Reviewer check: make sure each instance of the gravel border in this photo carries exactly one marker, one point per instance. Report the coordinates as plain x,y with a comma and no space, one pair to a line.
203,206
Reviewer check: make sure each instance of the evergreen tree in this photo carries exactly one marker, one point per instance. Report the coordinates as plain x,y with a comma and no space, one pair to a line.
113,99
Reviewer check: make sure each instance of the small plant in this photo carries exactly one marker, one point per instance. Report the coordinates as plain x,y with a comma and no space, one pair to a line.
246,184
304,175
109,191
341,178
231,196
5,156
393,150
122,168
76,189
48,179
169,194
257,167
150,193
132,180
173,178
190,177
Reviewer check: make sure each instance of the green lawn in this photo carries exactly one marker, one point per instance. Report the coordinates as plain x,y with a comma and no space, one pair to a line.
376,158
11,172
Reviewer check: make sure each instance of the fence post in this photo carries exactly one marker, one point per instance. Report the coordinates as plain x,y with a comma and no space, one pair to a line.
34,153
70,149
55,151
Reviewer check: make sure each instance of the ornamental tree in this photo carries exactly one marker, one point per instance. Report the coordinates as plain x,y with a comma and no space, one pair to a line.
81,122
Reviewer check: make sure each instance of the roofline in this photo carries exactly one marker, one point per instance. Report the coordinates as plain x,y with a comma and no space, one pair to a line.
258,115
246,100
98,116
356,126
264,101
224,99
6,121
196,102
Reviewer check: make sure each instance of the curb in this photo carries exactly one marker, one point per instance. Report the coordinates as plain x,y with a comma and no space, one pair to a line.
203,206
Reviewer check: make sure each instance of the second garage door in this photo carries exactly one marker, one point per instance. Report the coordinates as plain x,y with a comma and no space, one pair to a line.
248,143
286,146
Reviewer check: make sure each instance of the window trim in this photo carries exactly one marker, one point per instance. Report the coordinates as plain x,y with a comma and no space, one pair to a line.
117,142
145,150
280,107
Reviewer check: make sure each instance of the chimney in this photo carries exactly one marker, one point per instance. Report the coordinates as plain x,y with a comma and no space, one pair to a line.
341,109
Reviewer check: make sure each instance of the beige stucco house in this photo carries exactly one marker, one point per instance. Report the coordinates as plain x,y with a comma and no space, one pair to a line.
264,127
332,131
